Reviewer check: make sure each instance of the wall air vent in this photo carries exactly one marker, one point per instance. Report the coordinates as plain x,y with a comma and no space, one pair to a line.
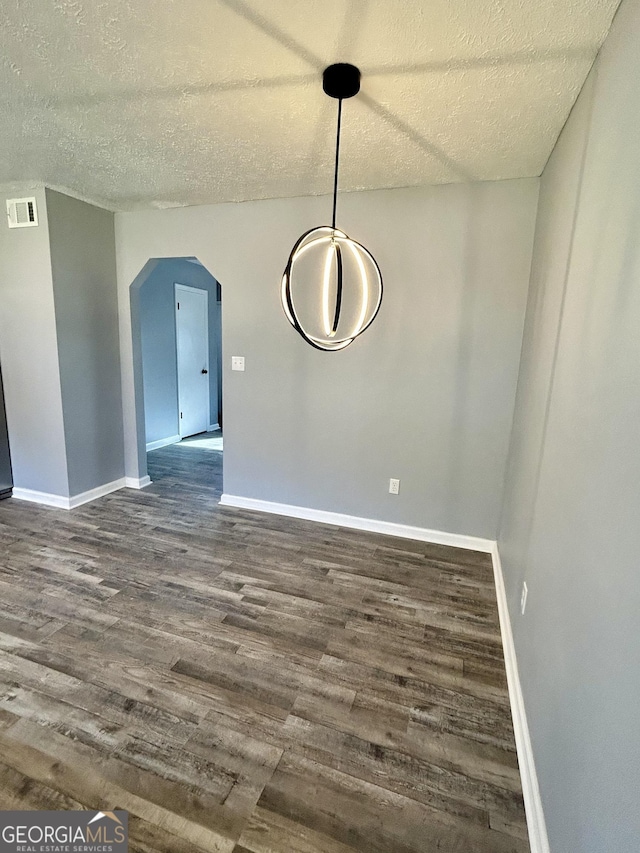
22,212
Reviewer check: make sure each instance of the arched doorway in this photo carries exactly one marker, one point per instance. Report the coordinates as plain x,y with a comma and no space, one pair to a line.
176,320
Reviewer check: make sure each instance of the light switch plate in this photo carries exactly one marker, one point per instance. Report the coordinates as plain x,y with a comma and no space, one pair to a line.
237,362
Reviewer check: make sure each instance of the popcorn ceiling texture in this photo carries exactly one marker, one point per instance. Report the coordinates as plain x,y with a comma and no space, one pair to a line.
146,103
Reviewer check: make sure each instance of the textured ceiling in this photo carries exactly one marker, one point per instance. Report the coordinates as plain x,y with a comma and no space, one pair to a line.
147,103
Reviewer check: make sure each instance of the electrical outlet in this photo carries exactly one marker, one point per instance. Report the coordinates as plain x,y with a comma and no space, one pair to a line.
523,597
394,487
237,362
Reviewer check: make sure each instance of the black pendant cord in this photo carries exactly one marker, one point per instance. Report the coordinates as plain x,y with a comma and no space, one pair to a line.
335,176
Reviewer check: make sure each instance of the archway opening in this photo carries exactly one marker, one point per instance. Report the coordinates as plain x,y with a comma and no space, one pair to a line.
176,313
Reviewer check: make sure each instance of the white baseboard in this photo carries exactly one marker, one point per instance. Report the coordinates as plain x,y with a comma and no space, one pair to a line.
63,502
163,442
44,498
213,427
93,494
405,531
538,839
137,482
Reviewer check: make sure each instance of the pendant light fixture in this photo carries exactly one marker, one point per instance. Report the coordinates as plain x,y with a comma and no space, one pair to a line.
332,286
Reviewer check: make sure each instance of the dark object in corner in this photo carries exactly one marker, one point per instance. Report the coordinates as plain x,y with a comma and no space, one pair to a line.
6,477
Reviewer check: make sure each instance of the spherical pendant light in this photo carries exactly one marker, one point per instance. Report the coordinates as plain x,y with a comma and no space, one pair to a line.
332,286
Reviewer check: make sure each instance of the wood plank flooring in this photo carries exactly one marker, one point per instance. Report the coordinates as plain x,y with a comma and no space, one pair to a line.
247,683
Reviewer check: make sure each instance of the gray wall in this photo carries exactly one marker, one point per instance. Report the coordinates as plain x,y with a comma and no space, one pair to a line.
86,310
572,499
158,341
29,353
426,394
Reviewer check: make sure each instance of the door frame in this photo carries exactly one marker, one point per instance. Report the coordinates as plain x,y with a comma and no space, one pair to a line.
186,287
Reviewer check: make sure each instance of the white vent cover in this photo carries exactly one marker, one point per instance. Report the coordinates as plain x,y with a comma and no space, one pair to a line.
22,212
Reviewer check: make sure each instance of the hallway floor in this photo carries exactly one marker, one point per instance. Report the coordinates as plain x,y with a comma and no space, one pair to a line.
248,683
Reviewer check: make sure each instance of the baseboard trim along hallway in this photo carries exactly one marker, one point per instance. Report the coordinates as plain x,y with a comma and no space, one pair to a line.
137,482
162,442
536,825
44,498
390,528
62,502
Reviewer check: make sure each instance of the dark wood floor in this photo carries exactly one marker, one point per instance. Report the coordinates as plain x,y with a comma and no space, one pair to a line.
244,682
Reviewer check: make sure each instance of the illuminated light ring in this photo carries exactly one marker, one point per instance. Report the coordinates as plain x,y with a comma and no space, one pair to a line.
331,236
287,302
358,328
339,343
326,282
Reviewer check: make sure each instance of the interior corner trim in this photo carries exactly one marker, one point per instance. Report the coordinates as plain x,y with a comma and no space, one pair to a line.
536,824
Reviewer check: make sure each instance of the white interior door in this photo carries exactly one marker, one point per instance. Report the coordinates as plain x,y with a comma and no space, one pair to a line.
192,337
